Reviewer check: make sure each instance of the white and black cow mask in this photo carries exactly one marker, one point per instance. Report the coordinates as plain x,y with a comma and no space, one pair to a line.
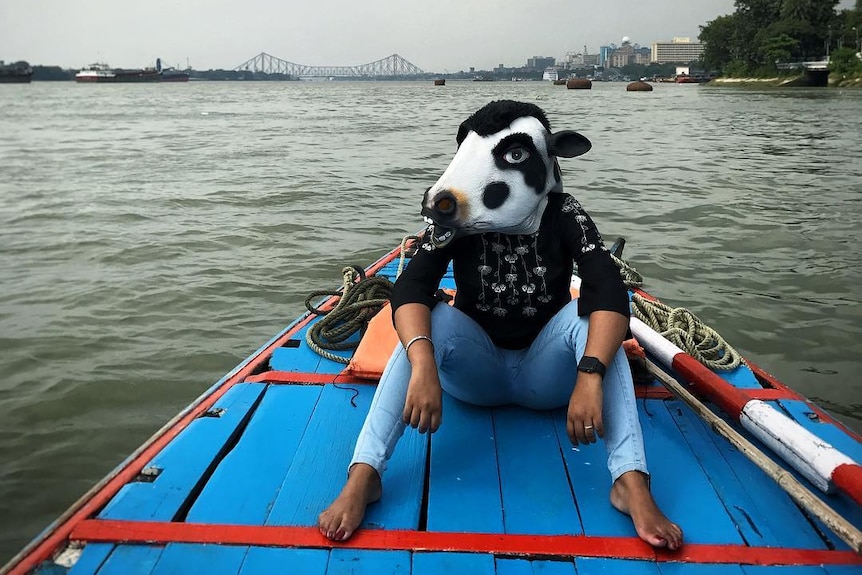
502,173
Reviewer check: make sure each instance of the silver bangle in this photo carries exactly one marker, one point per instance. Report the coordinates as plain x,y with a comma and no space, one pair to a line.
415,339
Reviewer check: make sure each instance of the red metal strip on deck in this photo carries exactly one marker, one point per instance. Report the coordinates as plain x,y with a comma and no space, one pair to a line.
53,536
307,378
162,533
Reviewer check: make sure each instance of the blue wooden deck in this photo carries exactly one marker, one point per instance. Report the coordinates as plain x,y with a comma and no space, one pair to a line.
276,455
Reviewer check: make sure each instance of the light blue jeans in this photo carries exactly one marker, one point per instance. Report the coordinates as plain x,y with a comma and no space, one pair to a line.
476,371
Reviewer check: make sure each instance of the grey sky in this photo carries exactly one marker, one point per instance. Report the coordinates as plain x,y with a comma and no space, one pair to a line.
435,35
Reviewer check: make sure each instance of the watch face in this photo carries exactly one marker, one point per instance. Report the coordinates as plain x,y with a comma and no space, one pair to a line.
590,365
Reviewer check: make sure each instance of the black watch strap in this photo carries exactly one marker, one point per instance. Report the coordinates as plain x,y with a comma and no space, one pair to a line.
589,364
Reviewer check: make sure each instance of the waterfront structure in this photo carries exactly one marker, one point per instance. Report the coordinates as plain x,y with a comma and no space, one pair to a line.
541,62
677,50
573,61
627,54
389,67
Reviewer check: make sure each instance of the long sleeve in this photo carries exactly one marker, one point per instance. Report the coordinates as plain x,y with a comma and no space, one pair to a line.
420,279
602,287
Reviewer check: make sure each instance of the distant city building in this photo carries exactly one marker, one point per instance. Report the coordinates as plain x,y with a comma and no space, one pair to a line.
541,62
677,50
574,61
627,54
604,54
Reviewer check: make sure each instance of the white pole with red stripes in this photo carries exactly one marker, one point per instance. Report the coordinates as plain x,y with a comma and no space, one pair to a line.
824,465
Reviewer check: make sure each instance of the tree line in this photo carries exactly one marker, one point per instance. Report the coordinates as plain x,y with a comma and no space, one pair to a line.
761,35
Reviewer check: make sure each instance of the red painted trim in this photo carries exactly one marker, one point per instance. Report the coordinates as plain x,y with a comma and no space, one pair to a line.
848,478
730,399
307,378
780,390
161,533
41,548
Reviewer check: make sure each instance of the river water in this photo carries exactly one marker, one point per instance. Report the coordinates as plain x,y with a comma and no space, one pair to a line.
152,236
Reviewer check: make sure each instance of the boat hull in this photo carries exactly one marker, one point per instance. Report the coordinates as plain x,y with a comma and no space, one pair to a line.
237,479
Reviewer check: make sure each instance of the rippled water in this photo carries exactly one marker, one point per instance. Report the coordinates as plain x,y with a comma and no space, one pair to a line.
152,236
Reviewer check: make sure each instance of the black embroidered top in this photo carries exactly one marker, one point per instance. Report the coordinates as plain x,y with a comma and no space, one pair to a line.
512,285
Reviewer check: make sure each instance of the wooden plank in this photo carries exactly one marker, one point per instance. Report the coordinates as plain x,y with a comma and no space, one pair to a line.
463,480
538,567
829,432
185,460
132,560
265,560
741,377
842,569
360,562
303,358
701,569
763,512
192,559
439,563
537,498
679,485
791,570
591,481
591,566
91,560
245,484
319,468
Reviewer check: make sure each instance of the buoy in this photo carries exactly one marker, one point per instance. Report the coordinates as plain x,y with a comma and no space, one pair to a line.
579,84
639,86
440,82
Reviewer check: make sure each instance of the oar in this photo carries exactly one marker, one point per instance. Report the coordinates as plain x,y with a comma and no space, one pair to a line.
797,491
824,465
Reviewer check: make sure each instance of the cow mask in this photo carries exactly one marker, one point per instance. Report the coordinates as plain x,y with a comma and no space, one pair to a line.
501,175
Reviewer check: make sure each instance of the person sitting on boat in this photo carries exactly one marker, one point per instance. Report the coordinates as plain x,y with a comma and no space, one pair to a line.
514,334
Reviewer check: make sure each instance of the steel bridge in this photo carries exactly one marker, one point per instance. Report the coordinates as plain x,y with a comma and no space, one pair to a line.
391,66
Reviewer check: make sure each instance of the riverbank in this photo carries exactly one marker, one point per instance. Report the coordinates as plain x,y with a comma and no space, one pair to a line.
835,81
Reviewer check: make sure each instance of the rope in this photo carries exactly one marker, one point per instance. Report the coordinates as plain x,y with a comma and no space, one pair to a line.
680,326
416,240
361,298
630,275
687,332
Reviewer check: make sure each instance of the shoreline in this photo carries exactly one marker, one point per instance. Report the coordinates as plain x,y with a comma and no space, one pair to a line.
854,81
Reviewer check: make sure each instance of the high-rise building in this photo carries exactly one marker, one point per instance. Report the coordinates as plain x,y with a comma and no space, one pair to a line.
540,62
677,50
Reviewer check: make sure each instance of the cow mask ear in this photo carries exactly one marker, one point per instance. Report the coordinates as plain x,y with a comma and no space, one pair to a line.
568,144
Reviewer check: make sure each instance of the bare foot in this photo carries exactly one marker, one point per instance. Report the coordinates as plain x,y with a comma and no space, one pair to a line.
631,495
344,515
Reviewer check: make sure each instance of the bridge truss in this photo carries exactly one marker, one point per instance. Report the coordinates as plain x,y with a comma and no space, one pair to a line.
391,66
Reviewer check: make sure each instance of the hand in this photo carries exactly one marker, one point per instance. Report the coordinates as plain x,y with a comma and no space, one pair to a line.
423,408
584,418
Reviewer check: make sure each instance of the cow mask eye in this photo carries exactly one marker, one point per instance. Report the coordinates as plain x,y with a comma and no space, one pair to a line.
516,154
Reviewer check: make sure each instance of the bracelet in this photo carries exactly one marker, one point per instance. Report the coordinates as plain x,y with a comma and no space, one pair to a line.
414,340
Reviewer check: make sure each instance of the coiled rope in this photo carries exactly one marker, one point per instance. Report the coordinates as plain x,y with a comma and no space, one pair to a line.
680,326
360,298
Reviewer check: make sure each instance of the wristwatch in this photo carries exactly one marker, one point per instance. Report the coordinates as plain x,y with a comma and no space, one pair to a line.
590,364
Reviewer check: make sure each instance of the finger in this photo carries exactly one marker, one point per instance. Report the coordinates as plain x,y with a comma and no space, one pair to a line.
415,417
589,433
570,431
581,432
407,413
436,420
424,421
600,427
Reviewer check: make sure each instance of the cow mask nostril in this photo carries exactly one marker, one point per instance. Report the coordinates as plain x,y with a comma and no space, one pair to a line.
445,204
